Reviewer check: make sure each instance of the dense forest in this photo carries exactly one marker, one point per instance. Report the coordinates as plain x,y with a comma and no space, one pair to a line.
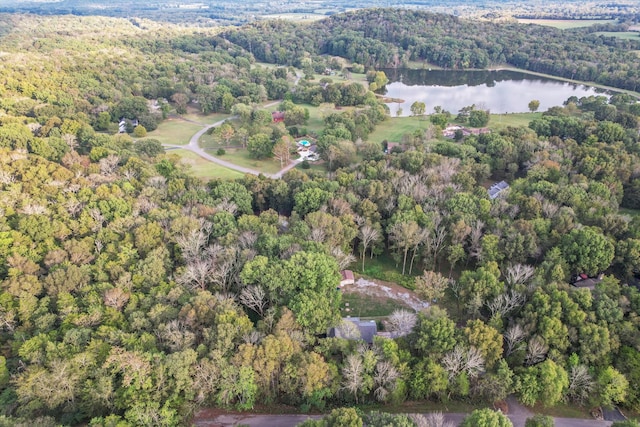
392,38
132,293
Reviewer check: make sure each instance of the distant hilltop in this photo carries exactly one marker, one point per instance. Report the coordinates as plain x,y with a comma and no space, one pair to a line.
237,12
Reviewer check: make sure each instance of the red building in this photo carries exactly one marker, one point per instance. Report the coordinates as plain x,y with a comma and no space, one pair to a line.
277,116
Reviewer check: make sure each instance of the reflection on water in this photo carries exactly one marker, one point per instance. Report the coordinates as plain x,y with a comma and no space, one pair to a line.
499,91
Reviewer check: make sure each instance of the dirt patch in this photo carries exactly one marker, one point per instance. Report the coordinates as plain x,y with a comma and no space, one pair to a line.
381,289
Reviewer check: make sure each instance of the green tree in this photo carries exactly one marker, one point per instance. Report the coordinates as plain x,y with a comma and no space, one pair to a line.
612,387
534,105
260,146
418,108
587,250
139,131
344,417
486,418
478,118
486,339
539,420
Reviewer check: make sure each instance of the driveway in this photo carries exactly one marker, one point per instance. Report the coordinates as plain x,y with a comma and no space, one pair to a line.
194,147
291,420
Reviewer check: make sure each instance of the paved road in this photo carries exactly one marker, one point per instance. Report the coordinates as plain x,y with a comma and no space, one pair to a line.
291,420
193,146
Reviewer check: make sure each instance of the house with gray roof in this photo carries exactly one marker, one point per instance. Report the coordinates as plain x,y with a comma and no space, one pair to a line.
352,328
496,189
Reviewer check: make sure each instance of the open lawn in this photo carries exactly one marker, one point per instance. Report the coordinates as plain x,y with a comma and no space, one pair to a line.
204,169
360,305
394,128
383,267
501,121
241,157
422,65
565,24
627,35
563,411
194,114
174,131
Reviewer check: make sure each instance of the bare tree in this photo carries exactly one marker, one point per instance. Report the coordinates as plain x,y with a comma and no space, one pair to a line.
433,419
401,322
255,298
115,298
518,274
474,362
71,140
227,206
475,240
282,151
368,235
404,235
253,337
513,336
195,274
384,379
175,335
343,260
436,240
420,238
581,384
454,361
109,164
537,350
193,242
349,330
462,359
247,239
353,375
505,303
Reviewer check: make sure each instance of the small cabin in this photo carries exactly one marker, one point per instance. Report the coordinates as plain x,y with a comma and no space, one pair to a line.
347,278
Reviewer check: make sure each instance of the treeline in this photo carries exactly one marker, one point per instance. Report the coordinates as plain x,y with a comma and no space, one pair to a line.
392,38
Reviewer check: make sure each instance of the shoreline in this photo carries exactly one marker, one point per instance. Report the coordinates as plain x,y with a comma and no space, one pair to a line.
533,73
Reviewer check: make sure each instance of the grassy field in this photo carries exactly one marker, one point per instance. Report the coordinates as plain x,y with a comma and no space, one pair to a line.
241,157
501,121
300,17
174,131
565,24
394,128
627,35
204,169
368,306
205,119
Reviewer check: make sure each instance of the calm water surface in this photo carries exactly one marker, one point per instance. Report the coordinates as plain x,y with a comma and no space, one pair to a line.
499,91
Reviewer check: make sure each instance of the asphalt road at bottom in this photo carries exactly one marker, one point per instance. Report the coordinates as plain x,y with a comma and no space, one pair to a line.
252,420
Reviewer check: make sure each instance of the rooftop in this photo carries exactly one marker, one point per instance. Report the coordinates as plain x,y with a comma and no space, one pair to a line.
497,188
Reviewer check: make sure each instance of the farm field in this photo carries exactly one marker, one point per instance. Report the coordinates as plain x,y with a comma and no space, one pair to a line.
565,24
626,35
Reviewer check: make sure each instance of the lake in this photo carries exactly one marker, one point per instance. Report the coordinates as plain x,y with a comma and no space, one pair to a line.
498,91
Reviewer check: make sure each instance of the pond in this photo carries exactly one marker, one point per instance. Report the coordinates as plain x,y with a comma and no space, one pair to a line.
498,91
